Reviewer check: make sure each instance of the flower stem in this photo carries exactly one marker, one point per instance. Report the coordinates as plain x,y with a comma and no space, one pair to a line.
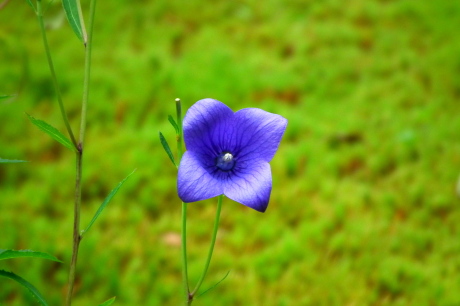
211,248
53,73
179,123
184,208
82,22
76,227
184,254
88,49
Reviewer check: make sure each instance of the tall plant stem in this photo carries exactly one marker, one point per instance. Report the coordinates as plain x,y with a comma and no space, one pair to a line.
184,207
76,227
211,249
82,22
184,254
88,49
53,72
179,124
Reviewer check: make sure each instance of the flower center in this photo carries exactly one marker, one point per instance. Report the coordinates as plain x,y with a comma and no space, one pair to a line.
225,161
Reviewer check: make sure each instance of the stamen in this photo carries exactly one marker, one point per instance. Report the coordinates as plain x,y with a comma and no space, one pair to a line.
228,157
225,161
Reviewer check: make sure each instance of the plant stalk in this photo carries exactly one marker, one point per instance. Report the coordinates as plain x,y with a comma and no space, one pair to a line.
211,249
53,72
184,254
82,22
88,50
179,123
184,208
76,227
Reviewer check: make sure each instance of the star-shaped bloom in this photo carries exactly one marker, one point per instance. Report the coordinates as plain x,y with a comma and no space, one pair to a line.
229,153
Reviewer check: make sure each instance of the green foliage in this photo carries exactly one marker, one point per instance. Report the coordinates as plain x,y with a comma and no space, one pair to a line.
167,149
53,132
11,161
73,13
108,302
363,209
32,290
213,286
174,124
7,254
104,204
31,5
10,254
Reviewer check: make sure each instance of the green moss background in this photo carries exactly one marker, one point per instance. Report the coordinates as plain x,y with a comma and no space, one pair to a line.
363,211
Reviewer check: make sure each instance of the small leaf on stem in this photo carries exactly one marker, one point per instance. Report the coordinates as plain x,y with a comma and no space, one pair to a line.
108,302
165,145
12,161
53,132
104,204
32,290
174,124
73,13
212,287
5,96
7,254
32,6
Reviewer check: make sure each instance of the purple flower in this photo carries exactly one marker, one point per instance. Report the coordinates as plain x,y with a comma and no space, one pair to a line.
228,153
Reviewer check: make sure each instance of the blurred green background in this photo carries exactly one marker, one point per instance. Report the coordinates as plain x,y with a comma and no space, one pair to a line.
363,211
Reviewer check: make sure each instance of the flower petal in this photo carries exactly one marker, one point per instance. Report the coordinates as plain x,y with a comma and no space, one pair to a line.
194,183
202,122
257,134
250,185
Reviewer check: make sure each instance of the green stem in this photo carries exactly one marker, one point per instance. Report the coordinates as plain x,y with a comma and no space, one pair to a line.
211,247
76,229
53,73
89,47
82,22
179,123
184,254
184,209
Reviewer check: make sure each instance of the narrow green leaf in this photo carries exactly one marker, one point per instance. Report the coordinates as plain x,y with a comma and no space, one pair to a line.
165,145
5,96
53,132
7,254
12,161
173,123
32,6
108,302
212,287
73,11
106,201
32,290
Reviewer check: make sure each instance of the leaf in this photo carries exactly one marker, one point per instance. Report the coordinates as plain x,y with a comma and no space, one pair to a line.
73,12
108,302
32,6
32,290
173,123
165,145
106,201
12,161
7,254
212,287
53,132
5,96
